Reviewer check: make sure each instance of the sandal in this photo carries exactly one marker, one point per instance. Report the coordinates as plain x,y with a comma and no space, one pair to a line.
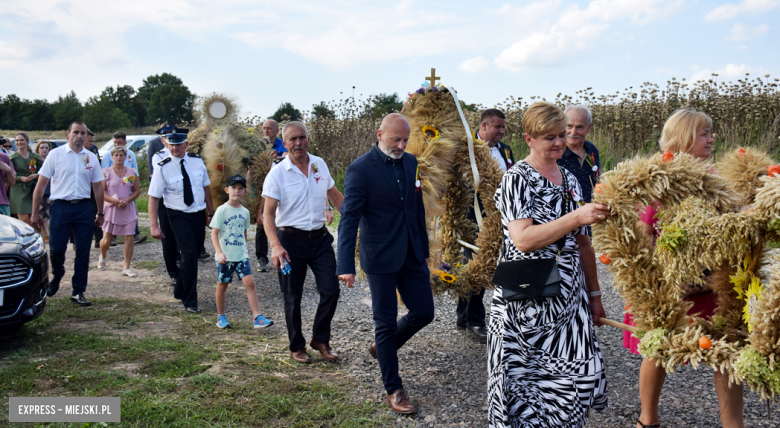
128,272
647,426
101,268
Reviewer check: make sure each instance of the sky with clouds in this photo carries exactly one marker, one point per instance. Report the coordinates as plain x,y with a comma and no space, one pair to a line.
306,51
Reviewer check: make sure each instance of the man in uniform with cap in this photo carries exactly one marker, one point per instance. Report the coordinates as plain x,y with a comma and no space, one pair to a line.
156,152
182,180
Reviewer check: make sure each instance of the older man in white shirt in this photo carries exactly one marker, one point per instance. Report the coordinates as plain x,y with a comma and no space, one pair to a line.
296,194
73,171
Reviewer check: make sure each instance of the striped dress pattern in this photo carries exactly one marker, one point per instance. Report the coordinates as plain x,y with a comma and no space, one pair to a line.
545,367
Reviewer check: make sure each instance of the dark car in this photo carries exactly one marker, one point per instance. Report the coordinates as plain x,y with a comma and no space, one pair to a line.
24,274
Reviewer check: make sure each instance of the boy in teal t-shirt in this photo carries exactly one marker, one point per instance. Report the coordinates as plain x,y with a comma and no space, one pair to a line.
228,234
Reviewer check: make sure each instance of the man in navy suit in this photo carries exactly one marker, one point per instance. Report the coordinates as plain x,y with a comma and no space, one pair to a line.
382,195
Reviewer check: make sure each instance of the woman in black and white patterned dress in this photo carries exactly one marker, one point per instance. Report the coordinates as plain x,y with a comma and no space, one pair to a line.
544,364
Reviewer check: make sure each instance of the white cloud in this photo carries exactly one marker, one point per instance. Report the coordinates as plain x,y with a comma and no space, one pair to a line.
473,65
576,30
741,33
730,71
731,10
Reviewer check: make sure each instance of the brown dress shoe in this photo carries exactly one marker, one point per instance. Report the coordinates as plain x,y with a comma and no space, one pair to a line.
325,351
301,356
400,403
372,350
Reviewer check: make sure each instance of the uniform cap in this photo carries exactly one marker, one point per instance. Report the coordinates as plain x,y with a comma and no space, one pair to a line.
177,136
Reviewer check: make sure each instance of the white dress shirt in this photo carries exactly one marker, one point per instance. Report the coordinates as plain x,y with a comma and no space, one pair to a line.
158,157
497,156
71,173
301,199
168,181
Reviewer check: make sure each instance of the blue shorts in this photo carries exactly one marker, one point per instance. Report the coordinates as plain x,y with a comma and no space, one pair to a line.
225,272
5,210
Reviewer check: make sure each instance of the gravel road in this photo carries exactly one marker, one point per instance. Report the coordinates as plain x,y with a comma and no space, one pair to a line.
443,369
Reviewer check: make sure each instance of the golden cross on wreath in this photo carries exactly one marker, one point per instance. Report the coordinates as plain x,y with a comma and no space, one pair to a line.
432,78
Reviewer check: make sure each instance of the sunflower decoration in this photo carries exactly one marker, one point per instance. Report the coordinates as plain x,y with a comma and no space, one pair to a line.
431,132
444,276
748,288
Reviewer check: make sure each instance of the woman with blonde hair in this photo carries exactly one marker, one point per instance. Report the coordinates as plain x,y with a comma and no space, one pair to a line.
27,164
544,363
120,188
43,148
686,131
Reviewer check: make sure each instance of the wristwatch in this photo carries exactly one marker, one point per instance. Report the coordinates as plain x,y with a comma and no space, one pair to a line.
100,214
329,208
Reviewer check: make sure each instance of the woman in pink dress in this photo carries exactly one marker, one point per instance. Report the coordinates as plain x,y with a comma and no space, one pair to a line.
686,131
120,189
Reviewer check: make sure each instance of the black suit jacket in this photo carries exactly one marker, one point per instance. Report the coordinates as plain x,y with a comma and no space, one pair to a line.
390,223
504,149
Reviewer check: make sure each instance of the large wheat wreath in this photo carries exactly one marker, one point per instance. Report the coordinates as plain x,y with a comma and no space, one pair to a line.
701,226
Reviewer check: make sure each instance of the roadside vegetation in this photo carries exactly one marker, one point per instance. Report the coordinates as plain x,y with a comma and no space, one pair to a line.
175,370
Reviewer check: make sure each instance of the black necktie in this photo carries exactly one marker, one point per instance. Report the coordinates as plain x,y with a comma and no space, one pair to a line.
188,198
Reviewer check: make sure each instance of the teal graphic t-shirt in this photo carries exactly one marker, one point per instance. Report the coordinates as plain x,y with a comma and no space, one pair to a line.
231,223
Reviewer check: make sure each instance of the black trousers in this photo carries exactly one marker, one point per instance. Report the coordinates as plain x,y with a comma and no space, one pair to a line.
189,229
317,254
170,249
414,285
471,310
261,242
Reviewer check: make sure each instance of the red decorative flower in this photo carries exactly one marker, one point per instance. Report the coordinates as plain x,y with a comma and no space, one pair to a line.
220,167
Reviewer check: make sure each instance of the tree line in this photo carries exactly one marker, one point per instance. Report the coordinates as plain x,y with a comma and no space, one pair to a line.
161,98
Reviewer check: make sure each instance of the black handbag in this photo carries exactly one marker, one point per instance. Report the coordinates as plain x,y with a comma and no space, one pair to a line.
533,278
528,279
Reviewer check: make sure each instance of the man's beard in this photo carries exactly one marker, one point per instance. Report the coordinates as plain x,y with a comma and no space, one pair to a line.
392,153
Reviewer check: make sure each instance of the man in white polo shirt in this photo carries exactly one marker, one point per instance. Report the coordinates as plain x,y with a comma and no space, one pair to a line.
296,193
73,171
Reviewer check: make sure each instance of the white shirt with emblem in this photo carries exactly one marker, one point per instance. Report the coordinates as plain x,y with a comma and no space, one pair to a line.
158,157
168,181
301,199
71,173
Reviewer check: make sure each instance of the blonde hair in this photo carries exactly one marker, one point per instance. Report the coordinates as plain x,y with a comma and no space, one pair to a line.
682,128
122,149
541,118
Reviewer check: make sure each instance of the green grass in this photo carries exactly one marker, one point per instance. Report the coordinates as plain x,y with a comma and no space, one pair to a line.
147,264
336,218
175,370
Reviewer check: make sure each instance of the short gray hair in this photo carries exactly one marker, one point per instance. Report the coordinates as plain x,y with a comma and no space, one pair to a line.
122,149
294,124
582,108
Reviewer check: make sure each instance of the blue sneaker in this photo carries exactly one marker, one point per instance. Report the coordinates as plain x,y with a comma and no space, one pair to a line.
262,322
222,322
